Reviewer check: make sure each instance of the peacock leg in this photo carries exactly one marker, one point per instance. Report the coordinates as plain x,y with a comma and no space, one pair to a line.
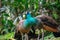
26,36
38,35
42,34
22,36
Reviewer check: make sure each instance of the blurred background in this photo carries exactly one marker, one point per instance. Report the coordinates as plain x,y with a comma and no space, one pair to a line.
11,10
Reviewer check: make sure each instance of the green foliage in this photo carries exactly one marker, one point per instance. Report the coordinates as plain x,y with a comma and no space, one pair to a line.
5,21
23,5
7,24
55,16
7,36
4,14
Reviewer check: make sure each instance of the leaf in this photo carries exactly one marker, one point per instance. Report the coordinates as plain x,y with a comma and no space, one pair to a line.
5,15
10,23
3,21
55,15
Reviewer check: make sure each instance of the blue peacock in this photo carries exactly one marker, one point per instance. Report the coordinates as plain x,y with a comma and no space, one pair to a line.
24,26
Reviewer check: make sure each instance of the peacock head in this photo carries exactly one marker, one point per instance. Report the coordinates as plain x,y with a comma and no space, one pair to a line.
28,15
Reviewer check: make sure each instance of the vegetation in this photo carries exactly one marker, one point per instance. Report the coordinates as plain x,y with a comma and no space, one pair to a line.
12,9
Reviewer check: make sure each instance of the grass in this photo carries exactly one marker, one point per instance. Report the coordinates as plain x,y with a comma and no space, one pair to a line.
11,35
7,36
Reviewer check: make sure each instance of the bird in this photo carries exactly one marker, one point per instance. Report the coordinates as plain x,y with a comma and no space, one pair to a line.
27,22
25,25
49,24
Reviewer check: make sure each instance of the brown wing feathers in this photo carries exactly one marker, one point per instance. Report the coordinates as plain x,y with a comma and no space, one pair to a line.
49,23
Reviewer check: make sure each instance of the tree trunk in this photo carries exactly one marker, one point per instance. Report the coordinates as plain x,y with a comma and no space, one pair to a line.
0,4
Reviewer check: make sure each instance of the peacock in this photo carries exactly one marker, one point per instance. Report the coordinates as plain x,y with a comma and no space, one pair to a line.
25,25
50,24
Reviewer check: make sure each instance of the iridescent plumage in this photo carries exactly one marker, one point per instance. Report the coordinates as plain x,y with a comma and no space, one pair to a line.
30,21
